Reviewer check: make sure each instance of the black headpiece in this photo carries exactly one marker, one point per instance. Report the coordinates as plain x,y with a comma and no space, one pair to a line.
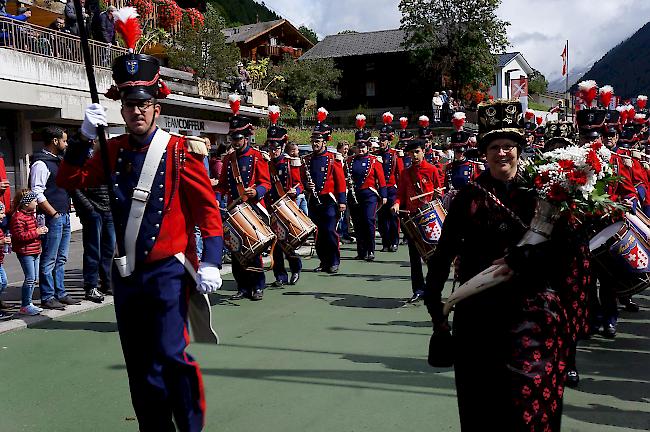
499,119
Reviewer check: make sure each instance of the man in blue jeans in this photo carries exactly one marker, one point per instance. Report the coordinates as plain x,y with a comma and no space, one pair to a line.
54,203
98,236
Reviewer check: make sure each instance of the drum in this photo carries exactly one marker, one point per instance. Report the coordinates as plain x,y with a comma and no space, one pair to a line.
425,226
621,253
244,233
290,225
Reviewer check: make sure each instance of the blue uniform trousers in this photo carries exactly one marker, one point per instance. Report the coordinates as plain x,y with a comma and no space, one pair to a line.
249,280
279,270
417,277
151,312
387,221
325,216
364,218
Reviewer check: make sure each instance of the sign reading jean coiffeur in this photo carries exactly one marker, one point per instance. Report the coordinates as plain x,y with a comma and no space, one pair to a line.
175,124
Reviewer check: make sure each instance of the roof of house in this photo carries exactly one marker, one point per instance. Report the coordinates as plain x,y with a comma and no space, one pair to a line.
250,31
357,44
505,58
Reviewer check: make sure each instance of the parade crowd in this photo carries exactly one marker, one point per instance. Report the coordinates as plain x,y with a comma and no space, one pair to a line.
156,226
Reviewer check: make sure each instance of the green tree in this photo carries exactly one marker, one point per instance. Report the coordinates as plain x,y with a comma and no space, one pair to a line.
537,83
456,39
306,79
309,34
203,48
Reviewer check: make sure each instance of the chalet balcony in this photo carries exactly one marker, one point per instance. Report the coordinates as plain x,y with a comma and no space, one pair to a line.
278,51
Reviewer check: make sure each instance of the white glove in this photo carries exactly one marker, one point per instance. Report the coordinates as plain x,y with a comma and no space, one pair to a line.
209,278
94,116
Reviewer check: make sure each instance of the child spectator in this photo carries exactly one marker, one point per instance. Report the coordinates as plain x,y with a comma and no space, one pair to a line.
4,239
27,245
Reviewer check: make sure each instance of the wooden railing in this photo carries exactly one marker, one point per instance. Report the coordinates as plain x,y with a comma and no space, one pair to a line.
30,38
278,51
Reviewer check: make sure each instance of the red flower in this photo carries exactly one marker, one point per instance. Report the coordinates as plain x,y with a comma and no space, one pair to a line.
596,145
169,14
144,7
577,177
197,20
593,161
558,193
541,179
566,165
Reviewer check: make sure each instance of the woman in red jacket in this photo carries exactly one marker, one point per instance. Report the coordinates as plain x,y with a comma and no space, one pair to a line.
27,245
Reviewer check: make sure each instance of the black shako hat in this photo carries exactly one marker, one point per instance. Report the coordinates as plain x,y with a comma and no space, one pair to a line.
275,133
361,136
414,144
240,127
322,130
591,121
459,138
499,119
137,77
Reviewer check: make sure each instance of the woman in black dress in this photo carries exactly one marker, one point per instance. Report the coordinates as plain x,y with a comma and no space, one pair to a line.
509,340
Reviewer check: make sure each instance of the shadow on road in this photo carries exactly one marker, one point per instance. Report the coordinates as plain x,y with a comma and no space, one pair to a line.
352,300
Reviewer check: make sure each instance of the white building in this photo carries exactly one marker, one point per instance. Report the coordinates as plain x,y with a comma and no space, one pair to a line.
510,66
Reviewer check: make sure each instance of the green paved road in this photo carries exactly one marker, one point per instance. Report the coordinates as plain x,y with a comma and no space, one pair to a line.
334,353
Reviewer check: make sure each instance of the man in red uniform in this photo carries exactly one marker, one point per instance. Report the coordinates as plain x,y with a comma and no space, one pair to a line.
419,179
369,189
285,179
387,221
245,178
323,177
161,192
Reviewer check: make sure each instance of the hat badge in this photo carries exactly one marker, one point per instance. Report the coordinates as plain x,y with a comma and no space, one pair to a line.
132,66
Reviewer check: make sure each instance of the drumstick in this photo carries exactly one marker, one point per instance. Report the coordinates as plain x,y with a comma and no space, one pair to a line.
413,198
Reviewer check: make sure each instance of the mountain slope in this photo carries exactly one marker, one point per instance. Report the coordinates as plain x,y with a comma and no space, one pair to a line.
626,67
239,12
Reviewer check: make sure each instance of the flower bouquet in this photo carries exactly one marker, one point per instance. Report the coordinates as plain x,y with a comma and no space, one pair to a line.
570,180
144,7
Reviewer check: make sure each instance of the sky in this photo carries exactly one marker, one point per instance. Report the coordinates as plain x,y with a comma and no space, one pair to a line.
539,28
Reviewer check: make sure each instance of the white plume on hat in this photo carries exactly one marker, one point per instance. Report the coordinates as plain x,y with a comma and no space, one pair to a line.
587,85
423,118
606,89
360,117
323,110
274,109
459,115
234,97
642,97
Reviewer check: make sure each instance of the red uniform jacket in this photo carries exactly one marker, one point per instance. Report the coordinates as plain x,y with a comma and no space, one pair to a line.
327,174
393,166
428,179
181,197
367,173
624,187
288,173
638,175
254,172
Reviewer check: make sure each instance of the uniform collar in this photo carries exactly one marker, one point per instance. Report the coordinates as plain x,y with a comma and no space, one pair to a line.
244,151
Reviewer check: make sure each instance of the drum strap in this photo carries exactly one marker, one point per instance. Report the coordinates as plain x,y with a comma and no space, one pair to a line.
234,166
276,178
139,200
498,202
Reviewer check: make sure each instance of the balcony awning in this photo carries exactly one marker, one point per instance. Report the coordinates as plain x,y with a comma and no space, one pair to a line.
210,105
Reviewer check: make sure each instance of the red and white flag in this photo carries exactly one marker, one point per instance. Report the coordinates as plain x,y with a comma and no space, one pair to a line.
564,59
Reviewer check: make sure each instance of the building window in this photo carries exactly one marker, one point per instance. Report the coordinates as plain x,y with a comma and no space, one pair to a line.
370,88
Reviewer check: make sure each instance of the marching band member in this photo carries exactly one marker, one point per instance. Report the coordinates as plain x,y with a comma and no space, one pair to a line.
460,171
245,178
368,185
285,178
392,164
426,133
323,176
404,137
161,192
419,179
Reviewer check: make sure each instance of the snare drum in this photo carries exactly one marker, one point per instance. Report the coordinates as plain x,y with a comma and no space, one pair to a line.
621,253
290,225
425,226
244,233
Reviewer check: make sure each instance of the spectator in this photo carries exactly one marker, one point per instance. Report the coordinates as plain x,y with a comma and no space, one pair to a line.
446,111
243,78
27,245
58,24
54,203
5,239
5,33
70,13
104,26
436,104
5,187
98,236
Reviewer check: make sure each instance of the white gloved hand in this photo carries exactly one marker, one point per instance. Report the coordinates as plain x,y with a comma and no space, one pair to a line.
209,278
94,116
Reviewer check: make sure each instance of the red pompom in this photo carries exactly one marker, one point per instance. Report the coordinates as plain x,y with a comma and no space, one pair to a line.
539,120
361,121
321,115
387,118
403,122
